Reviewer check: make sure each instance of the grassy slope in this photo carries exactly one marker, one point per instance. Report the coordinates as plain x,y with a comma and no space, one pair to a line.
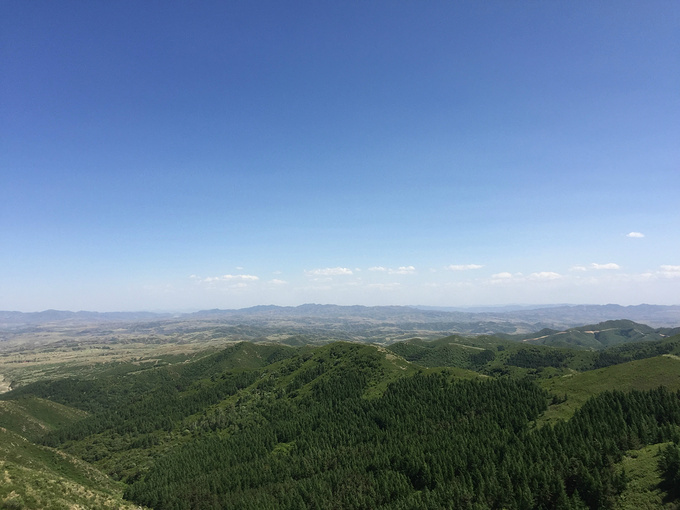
643,374
642,491
33,417
36,477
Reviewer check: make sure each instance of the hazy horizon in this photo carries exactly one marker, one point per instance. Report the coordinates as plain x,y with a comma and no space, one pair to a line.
173,156
468,308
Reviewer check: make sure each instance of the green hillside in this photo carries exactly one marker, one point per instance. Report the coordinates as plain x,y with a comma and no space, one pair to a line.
453,351
643,491
498,356
494,356
33,417
645,374
41,478
596,336
443,424
38,477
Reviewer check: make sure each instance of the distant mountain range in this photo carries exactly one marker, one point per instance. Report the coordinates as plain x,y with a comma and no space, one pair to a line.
490,320
573,315
14,319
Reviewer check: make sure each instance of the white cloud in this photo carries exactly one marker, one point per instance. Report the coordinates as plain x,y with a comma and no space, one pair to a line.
383,286
276,281
610,265
402,270
230,278
463,267
578,268
545,275
389,270
504,278
635,234
670,271
329,271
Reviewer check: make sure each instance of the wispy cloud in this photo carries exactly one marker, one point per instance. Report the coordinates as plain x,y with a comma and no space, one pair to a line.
463,267
503,278
329,271
390,270
635,234
383,286
402,270
276,281
668,271
609,265
229,278
578,268
545,275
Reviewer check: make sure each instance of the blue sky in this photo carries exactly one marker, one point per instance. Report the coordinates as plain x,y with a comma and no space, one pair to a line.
179,156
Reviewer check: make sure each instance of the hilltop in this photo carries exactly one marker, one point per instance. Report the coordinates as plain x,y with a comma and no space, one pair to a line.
598,336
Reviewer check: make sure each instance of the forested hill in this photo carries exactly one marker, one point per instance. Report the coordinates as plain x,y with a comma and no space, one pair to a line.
598,336
503,355
347,425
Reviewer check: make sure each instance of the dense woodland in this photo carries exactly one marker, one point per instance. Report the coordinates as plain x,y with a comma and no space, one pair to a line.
353,426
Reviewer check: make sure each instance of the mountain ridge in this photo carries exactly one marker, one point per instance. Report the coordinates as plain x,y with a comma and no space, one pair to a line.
659,315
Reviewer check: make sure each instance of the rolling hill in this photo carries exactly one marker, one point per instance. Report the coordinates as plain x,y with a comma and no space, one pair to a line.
41,478
596,336
578,387
415,424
